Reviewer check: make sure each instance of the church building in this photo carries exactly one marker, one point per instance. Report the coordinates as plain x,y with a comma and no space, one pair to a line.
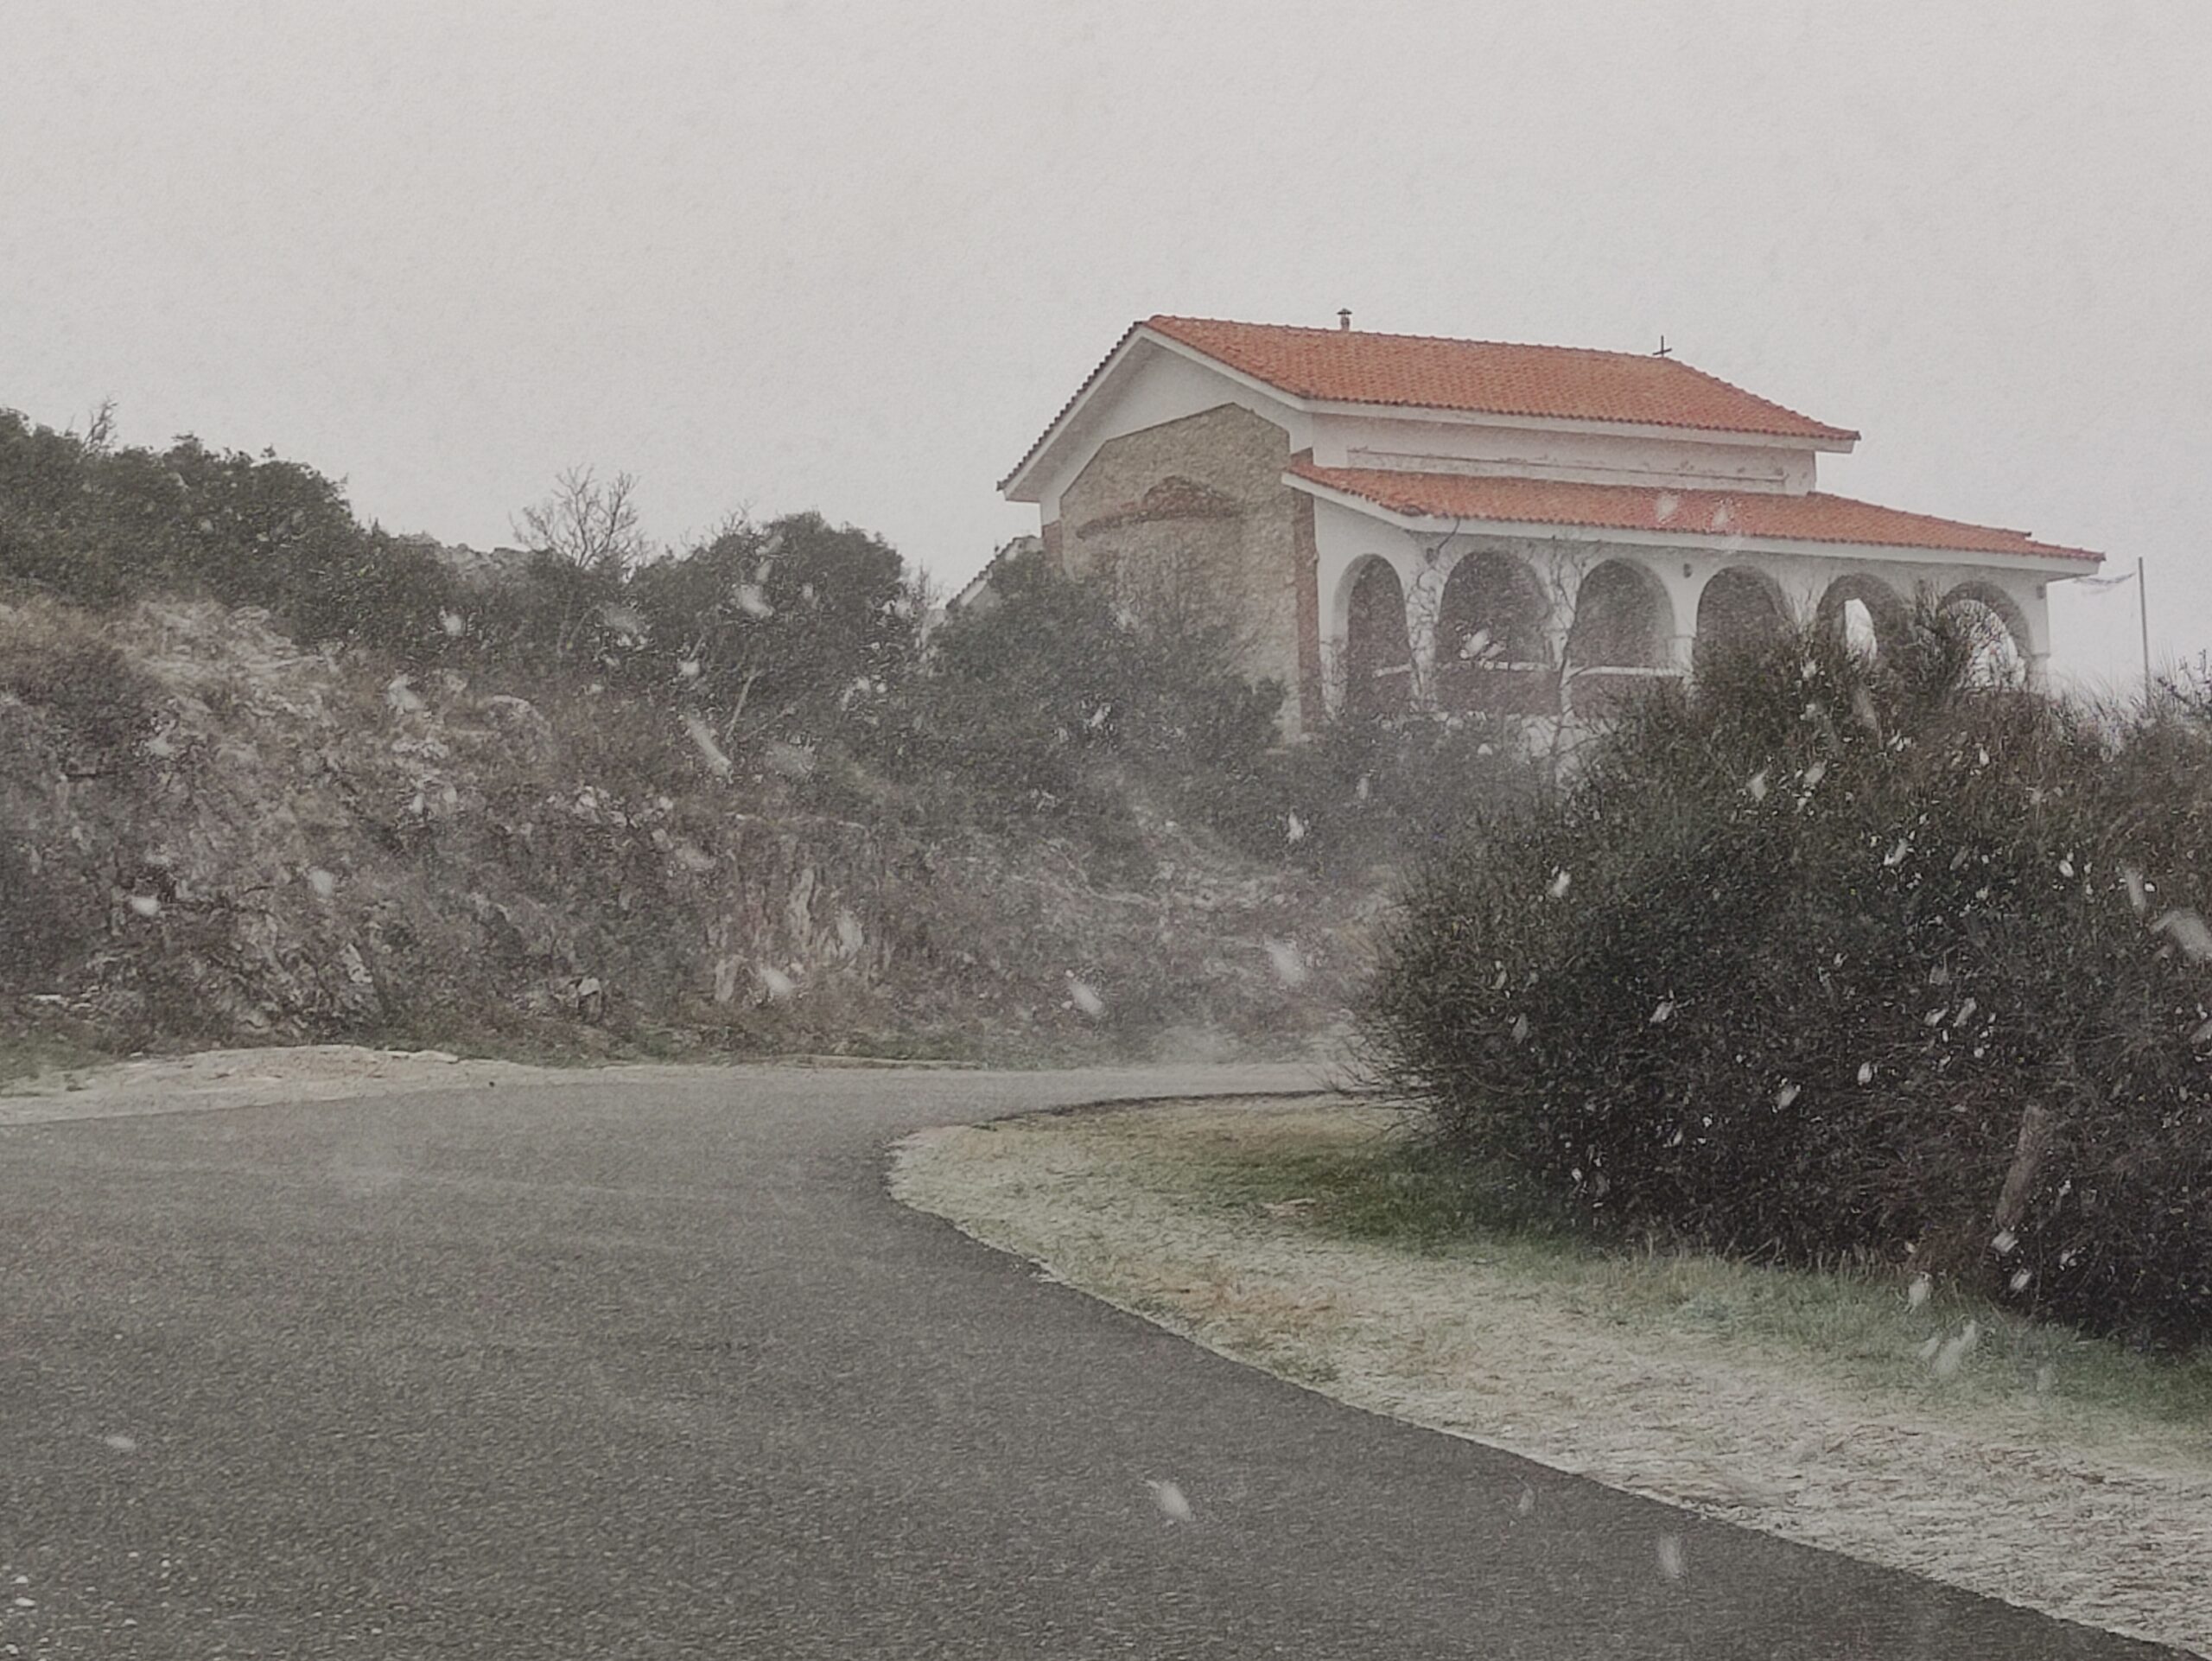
1396,523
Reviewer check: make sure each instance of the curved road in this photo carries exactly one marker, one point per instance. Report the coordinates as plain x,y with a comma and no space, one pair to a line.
653,1368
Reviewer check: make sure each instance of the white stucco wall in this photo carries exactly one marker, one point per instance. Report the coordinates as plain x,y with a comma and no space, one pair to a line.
1152,387
1345,537
1586,459
1383,441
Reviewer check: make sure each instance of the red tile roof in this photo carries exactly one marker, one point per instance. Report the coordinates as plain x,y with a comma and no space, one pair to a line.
1813,518
1476,376
1489,378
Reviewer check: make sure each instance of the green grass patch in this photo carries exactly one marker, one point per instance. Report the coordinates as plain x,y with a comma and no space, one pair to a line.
24,1056
1355,1174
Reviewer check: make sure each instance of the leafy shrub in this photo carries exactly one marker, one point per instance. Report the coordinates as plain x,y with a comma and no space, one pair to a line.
1023,701
1363,793
1817,960
794,625
101,525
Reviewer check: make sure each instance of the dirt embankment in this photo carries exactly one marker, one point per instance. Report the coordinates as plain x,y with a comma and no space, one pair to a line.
209,835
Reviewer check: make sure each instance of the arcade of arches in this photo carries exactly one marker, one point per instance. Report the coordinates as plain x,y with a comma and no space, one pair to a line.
1495,637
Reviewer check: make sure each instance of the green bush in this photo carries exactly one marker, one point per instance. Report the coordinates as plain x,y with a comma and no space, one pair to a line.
1047,701
1816,960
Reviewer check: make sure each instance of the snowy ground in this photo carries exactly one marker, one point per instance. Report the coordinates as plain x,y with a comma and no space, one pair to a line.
2027,1496
307,1072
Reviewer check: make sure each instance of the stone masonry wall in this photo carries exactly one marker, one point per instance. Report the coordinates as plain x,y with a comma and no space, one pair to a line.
1194,513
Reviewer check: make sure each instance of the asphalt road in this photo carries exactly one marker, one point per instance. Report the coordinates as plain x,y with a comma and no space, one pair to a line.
606,1369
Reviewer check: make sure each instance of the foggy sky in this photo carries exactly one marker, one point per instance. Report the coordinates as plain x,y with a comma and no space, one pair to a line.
853,258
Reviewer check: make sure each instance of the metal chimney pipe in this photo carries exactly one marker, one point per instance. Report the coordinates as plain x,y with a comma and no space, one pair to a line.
1344,317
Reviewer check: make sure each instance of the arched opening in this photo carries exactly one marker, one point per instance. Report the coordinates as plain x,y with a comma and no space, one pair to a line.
1738,610
1490,652
1865,613
1996,632
1621,634
1378,655
1492,611
1860,638
1620,619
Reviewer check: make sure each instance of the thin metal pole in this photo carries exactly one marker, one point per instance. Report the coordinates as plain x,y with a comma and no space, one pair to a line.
2143,611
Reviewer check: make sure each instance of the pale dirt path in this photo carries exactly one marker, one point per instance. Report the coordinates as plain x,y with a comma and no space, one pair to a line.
2027,1500
269,1076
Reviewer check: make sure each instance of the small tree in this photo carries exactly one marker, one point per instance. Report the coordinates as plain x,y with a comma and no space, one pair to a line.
587,523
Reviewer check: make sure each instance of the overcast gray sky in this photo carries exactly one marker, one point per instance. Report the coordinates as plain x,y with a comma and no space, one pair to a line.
854,257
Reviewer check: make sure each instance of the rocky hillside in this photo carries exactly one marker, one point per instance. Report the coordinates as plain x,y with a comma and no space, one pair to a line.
211,834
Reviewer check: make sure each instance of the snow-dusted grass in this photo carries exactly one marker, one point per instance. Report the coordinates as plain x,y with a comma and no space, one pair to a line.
2016,1460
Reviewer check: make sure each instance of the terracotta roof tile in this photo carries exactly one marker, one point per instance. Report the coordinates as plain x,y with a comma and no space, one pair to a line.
1475,377
1491,378
1816,516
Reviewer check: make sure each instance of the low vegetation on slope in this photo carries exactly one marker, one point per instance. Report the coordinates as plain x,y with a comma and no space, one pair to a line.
1819,960
268,773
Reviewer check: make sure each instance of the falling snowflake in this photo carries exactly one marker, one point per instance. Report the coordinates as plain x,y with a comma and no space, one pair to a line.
119,1442
1560,883
2021,1279
2003,1242
401,696
1897,854
1756,787
779,987
1672,1563
1170,1499
1520,1029
453,623
1919,1291
2137,897
1953,1354
1286,961
789,760
1786,1095
1085,998
1866,1073
322,882
1664,1013
1665,507
1813,774
2188,932
2066,866
1293,831
145,905
687,668
752,602
703,739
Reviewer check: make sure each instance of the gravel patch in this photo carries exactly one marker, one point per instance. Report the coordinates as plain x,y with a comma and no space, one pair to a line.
2023,1496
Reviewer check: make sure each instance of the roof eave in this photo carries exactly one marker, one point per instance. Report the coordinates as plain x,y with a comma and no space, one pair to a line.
1019,486
1839,443
2054,566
